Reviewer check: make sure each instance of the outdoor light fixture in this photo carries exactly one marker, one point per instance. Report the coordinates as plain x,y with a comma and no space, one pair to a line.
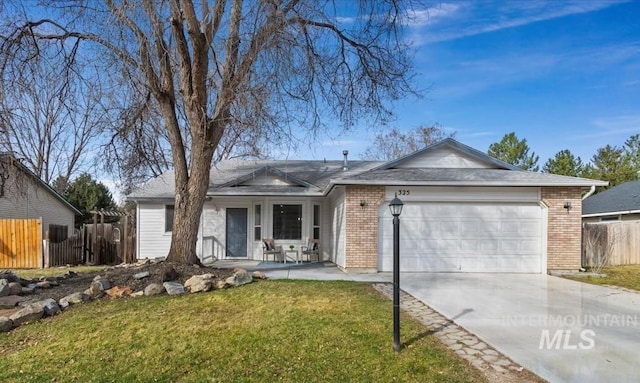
396,208
567,205
363,203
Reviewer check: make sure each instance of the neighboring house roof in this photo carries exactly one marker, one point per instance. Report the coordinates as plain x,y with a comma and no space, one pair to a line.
445,163
621,199
14,161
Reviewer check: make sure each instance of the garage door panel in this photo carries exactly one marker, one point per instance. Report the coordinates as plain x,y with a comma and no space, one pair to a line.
466,236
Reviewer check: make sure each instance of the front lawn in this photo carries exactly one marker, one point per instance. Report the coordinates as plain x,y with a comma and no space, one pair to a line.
627,276
291,331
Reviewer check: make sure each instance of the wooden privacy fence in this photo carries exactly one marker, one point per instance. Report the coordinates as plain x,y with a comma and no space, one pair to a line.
611,243
20,243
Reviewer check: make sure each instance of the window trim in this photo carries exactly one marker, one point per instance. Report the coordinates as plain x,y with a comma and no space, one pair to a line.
257,221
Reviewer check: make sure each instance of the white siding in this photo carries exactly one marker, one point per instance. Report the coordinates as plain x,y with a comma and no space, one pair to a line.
268,180
443,158
25,198
338,227
153,241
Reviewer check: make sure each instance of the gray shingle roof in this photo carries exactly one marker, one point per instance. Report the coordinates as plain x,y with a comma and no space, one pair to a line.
483,177
224,175
318,177
621,198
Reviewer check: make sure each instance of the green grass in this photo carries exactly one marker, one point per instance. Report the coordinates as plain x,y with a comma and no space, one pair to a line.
55,271
627,276
288,331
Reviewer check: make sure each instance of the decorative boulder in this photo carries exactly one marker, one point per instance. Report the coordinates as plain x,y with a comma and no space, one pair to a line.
198,283
49,306
27,314
239,278
141,275
174,288
15,288
168,274
27,290
9,276
259,275
119,292
4,288
154,289
11,301
222,285
73,299
44,285
6,324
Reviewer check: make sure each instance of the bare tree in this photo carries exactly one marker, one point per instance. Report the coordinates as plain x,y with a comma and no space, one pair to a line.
394,144
264,68
49,118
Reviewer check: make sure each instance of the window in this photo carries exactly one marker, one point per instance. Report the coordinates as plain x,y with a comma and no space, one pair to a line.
168,218
610,218
287,221
316,221
257,222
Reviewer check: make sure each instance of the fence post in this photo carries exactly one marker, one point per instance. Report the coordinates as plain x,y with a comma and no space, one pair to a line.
125,239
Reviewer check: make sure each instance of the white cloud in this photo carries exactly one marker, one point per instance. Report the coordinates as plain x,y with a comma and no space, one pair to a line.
616,125
472,18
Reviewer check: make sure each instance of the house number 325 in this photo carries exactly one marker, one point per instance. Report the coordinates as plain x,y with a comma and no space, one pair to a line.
404,192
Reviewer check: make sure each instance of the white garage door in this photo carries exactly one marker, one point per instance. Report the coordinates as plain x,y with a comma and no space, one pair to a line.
465,237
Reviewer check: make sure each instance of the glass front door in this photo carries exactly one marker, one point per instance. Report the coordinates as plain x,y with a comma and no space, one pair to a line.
236,232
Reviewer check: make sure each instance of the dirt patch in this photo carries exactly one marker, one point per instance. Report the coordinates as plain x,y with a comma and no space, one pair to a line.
123,277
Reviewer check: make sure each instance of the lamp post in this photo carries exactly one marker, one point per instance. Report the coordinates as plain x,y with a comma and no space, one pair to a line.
396,208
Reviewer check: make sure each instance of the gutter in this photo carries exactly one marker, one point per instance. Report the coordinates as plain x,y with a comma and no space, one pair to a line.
593,190
606,214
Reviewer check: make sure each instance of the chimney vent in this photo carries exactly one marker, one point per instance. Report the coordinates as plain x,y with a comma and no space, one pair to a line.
345,165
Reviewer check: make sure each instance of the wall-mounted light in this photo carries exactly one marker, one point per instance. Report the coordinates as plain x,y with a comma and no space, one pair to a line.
567,205
363,203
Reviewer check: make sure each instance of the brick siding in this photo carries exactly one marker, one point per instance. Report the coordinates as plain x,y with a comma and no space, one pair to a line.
362,227
564,228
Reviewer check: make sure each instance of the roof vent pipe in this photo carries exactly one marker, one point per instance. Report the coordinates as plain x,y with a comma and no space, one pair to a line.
345,165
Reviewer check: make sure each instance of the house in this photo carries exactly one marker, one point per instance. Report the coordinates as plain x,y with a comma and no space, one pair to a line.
620,203
463,211
23,195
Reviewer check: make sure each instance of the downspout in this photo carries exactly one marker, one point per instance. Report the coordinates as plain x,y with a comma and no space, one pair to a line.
593,190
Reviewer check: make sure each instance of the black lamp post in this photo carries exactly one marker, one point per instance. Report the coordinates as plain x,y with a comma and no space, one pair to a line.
396,208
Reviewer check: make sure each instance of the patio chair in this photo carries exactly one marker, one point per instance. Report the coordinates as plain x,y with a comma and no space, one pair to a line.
312,249
269,248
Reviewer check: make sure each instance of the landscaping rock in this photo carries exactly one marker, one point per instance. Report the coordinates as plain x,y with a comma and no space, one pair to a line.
4,287
137,294
141,275
27,290
73,299
6,324
49,306
154,289
259,275
239,278
168,273
199,283
119,292
44,285
27,314
174,288
69,274
222,285
94,291
11,301
15,288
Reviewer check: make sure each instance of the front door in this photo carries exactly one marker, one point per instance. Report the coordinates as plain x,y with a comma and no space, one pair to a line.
236,232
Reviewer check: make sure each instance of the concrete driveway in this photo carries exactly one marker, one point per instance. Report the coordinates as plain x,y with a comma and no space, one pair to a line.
562,330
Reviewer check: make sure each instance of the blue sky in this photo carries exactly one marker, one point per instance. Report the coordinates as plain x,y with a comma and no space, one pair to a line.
562,74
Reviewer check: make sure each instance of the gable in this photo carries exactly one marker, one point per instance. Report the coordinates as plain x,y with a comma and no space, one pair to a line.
267,176
447,154
444,157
